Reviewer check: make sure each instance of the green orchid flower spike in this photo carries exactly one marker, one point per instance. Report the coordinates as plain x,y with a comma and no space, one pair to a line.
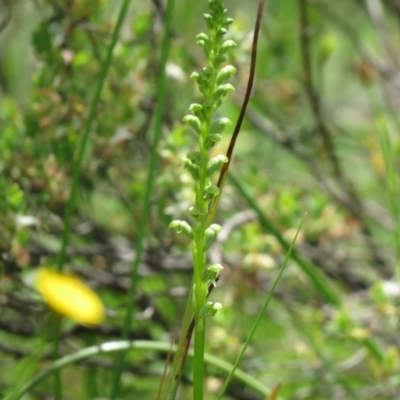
213,84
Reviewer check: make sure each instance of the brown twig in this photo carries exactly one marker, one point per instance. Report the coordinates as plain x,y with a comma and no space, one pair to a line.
235,134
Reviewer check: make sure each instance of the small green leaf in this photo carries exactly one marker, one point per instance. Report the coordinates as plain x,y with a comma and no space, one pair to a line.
227,45
223,90
42,39
211,273
15,197
219,125
225,74
182,227
210,235
208,73
211,140
208,103
195,76
222,31
210,309
207,17
221,58
193,122
196,109
195,212
210,192
203,37
215,164
192,168
195,157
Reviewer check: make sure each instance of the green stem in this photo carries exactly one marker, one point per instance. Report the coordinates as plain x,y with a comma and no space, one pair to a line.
323,285
78,166
85,135
57,385
124,346
392,181
213,90
260,315
200,289
169,388
198,360
121,359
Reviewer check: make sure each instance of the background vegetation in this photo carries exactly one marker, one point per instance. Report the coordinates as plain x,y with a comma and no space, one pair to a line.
320,137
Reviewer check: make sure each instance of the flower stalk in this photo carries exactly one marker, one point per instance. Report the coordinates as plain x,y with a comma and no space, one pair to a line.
213,83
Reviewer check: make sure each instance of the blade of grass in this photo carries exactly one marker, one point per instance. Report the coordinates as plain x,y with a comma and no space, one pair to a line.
323,285
169,388
260,315
77,171
57,384
386,122
85,135
124,346
392,180
275,391
383,128
159,112
320,354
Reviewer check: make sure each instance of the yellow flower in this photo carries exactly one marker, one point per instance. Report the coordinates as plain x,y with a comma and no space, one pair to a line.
67,295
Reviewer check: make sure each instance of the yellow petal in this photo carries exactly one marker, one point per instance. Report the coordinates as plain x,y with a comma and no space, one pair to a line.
69,296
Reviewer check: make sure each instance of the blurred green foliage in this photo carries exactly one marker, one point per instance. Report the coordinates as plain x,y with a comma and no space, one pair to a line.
51,54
